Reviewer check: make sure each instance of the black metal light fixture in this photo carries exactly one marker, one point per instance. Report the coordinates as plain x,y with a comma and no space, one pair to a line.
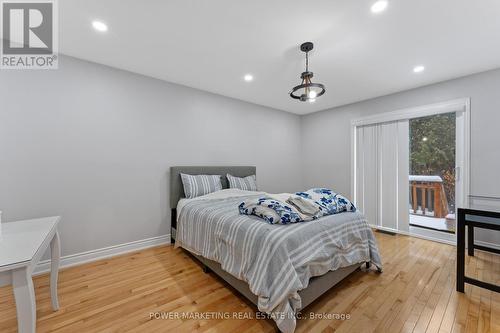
307,90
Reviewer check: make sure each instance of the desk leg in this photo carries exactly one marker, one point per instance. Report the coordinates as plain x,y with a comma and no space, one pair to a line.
24,294
55,256
460,252
470,240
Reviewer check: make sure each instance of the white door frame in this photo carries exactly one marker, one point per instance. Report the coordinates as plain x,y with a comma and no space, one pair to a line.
461,105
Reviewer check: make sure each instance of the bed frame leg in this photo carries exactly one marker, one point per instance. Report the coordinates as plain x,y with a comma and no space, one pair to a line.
368,264
206,269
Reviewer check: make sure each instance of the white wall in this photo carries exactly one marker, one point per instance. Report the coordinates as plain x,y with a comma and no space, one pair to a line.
94,145
326,134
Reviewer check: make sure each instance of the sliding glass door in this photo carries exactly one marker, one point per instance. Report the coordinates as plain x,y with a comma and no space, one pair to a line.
432,173
436,185
410,169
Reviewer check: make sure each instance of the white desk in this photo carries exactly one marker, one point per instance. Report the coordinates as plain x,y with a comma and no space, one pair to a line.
22,245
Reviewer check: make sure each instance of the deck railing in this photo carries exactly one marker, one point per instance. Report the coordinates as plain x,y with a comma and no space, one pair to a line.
427,196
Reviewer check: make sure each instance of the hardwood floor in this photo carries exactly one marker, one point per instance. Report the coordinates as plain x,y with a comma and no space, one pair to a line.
416,293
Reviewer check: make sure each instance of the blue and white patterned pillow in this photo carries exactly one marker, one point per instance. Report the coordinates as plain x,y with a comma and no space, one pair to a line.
247,183
329,201
198,185
272,211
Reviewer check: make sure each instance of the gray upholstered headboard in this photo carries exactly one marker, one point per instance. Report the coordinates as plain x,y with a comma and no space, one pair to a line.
177,190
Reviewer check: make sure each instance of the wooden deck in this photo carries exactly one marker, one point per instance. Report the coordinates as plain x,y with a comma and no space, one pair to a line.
434,223
416,293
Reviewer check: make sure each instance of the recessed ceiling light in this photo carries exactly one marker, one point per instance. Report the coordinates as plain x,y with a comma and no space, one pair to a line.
248,77
100,26
418,69
379,6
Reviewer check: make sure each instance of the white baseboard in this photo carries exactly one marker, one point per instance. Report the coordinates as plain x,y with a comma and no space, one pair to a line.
110,251
488,201
492,245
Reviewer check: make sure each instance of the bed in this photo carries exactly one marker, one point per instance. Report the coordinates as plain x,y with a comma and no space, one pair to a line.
258,259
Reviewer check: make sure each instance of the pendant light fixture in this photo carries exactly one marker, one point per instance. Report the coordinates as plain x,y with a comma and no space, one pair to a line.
307,90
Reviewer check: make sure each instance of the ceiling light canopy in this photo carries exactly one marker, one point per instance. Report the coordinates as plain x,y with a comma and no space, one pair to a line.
307,90
379,6
100,26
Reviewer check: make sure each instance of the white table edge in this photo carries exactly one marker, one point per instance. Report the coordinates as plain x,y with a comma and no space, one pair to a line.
38,253
22,282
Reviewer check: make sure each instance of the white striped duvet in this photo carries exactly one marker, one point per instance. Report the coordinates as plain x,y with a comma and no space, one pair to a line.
275,260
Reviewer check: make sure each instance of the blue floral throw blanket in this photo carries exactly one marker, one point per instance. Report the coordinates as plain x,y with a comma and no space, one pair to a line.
299,207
